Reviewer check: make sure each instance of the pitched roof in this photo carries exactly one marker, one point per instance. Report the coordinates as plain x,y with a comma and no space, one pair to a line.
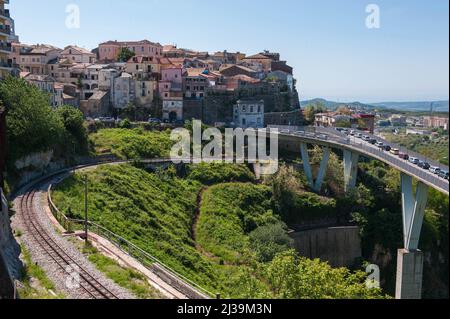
81,50
257,57
243,68
195,71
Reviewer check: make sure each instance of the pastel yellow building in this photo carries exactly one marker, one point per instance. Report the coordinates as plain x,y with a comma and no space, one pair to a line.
5,45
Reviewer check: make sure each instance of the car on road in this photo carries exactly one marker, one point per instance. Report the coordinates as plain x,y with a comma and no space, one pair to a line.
395,151
358,135
154,120
366,138
443,174
424,165
380,144
403,156
387,148
372,141
352,132
435,170
414,160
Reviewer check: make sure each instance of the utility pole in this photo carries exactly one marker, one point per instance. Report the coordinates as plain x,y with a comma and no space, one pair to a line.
86,208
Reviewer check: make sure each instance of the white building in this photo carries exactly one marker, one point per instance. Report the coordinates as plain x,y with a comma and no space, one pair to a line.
123,91
173,109
249,113
77,55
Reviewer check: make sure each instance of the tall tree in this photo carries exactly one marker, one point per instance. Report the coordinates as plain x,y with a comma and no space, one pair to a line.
125,54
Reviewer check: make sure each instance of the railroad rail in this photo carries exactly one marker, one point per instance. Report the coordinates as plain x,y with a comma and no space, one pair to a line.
87,282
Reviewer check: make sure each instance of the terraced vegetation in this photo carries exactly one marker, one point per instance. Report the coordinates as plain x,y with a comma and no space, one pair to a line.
237,246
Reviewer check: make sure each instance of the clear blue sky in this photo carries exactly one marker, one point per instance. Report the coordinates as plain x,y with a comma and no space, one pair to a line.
334,55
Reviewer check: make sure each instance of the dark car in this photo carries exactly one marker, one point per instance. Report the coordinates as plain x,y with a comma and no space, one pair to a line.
424,165
373,141
387,148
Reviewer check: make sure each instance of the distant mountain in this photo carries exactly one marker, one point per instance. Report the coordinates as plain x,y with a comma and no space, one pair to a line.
438,106
330,105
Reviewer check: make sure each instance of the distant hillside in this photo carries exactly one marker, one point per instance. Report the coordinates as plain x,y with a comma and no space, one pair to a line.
438,106
334,105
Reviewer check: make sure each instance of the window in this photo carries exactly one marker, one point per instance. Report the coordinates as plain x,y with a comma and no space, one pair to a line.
251,109
244,108
244,121
259,108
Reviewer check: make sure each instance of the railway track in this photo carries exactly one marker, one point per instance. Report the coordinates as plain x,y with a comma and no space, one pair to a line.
90,286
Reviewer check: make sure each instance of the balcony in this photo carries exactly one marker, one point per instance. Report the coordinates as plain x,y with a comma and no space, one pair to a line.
8,65
5,47
5,13
5,29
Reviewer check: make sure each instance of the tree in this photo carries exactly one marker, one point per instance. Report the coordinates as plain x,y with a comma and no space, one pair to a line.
129,111
294,277
344,110
125,54
32,124
312,109
73,123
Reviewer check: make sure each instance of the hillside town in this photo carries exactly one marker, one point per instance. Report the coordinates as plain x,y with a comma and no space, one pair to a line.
145,80
162,82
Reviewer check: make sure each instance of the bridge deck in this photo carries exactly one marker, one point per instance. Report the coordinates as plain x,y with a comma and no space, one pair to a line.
332,138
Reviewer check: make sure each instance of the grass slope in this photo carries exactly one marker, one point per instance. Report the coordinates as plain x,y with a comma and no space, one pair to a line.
131,143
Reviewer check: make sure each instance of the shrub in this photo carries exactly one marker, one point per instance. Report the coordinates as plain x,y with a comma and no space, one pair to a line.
269,240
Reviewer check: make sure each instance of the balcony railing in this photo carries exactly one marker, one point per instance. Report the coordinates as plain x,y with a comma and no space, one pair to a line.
5,47
5,13
4,64
6,29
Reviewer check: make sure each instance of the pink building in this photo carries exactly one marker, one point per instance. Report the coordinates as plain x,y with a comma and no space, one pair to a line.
172,74
108,51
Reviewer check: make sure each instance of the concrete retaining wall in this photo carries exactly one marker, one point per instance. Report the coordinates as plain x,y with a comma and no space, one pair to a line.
339,246
7,248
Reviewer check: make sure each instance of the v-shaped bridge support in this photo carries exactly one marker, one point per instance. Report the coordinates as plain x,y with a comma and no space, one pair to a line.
410,259
413,211
316,185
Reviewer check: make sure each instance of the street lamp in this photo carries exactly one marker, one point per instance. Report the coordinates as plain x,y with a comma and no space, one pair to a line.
86,208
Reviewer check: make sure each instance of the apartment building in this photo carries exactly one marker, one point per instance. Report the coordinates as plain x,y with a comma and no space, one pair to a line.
109,51
36,59
6,66
436,122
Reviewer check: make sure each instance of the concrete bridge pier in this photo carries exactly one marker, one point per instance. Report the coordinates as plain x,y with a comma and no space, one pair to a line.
316,185
350,169
410,259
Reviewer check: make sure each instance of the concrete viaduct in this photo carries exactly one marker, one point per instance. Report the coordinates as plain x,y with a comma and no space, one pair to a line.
410,259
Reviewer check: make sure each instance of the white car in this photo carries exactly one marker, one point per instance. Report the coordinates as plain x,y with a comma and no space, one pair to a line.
435,170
